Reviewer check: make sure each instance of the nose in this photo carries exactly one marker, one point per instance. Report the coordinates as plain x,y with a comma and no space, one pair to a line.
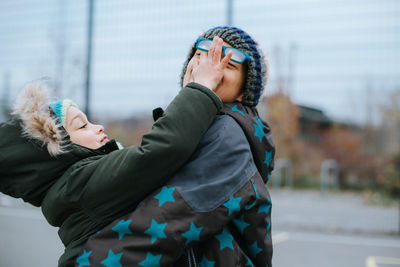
100,128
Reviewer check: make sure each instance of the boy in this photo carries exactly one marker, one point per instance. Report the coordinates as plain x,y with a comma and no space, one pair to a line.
54,158
216,211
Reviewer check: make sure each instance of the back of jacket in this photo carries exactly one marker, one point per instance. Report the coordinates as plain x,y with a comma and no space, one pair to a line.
246,239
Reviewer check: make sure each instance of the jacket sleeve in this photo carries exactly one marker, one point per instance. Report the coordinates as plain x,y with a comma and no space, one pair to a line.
189,211
112,185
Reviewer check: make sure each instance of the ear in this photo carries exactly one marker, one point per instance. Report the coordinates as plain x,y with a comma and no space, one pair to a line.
240,97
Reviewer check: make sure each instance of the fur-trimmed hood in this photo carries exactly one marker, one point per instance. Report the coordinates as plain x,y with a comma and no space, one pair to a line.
38,121
33,154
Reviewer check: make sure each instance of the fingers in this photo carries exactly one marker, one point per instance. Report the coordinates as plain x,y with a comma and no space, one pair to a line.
188,77
218,50
215,51
226,59
212,48
216,55
190,66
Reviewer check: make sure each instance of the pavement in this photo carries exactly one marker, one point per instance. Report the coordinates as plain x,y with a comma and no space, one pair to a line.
27,240
333,229
309,229
332,212
318,249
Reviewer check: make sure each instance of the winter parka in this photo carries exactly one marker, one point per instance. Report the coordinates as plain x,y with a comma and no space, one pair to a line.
83,190
216,211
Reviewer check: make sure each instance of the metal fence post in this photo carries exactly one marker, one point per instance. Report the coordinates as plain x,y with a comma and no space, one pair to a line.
282,164
327,166
89,57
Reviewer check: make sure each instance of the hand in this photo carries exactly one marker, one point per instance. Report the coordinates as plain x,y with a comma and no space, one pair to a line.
208,68
188,74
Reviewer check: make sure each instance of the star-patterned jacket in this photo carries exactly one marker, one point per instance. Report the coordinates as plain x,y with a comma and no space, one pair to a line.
214,212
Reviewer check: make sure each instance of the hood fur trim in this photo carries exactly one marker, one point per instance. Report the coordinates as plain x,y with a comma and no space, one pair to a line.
32,107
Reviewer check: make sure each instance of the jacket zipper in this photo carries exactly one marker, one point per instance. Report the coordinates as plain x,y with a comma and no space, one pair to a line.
191,258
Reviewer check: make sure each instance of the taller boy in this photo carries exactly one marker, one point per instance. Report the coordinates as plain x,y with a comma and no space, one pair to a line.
216,210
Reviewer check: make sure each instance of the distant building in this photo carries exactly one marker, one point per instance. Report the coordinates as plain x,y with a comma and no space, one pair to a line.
312,123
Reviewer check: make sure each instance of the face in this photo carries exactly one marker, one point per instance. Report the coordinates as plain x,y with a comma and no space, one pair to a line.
230,89
82,132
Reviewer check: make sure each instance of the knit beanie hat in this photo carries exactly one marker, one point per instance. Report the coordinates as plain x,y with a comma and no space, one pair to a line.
256,68
60,108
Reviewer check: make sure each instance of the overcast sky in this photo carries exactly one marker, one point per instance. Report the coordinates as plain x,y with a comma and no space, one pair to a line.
338,55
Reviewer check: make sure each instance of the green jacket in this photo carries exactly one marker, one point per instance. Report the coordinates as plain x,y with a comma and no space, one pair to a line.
99,187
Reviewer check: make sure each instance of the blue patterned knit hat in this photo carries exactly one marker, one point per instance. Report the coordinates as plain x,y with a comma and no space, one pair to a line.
60,108
256,68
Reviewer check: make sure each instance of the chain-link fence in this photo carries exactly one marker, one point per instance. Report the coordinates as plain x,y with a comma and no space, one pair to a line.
338,55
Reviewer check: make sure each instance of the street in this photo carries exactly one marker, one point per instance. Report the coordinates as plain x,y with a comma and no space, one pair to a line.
305,249
309,230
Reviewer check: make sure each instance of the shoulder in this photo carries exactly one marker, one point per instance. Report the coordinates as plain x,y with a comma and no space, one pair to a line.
224,122
224,131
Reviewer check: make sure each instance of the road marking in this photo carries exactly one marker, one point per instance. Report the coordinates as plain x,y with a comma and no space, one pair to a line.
279,238
346,240
373,261
370,262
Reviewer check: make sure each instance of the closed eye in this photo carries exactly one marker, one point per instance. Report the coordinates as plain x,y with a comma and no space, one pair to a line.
232,65
83,126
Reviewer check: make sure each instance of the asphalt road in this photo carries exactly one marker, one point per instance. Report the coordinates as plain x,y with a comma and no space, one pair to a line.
27,240
306,249
309,230
331,212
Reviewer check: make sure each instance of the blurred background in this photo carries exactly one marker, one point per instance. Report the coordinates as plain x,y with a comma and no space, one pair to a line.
332,101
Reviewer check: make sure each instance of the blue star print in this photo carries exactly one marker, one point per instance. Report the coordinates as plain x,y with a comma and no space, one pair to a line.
235,108
112,260
268,157
206,263
255,190
151,260
264,208
122,228
225,240
254,250
156,231
249,263
192,234
233,204
241,224
268,228
247,207
165,195
259,129
83,260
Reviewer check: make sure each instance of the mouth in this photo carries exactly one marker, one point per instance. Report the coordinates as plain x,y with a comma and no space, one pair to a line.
104,139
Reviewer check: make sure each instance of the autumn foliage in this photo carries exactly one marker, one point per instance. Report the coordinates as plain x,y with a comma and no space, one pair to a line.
361,152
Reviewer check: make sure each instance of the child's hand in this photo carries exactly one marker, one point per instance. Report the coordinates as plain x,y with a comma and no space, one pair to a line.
207,68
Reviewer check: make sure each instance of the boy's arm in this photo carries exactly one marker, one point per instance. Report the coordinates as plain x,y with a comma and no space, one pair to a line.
114,184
